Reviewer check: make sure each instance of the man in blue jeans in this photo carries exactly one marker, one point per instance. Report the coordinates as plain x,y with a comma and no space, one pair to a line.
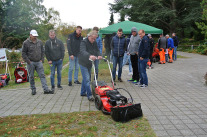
176,41
118,46
99,44
143,53
88,51
73,45
55,51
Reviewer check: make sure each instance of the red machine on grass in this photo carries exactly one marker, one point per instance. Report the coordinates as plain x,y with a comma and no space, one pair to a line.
5,77
110,101
20,73
155,53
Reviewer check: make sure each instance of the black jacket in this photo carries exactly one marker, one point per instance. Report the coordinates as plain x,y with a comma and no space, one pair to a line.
73,44
32,51
86,50
54,50
144,48
175,40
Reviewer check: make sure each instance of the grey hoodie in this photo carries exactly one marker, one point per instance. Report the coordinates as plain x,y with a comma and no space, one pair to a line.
134,42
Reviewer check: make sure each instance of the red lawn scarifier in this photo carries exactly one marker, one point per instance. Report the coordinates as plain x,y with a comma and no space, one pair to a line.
110,101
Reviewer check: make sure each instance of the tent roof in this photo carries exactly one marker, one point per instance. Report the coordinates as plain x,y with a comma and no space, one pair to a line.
127,25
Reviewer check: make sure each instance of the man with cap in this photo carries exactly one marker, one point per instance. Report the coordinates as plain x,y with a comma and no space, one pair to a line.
33,54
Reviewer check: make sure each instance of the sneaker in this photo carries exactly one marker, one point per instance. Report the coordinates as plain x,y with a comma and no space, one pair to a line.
116,72
60,87
48,91
77,82
120,80
135,81
83,95
33,91
53,88
91,98
137,84
130,73
143,86
131,79
70,84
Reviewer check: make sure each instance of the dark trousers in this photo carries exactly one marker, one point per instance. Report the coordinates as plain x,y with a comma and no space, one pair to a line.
134,60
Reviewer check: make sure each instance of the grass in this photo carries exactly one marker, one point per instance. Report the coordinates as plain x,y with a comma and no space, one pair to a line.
87,124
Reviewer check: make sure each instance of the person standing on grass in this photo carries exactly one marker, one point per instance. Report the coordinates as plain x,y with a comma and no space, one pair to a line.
99,43
73,45
118,46
144,51
133,51
88,51
33,54
176,41
55,51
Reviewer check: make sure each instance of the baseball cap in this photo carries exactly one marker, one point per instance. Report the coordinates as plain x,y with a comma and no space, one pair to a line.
149,35
33,33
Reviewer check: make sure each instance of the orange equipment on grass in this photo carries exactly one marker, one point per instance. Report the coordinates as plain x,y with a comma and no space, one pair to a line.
149,64
170,52
162,56
155,53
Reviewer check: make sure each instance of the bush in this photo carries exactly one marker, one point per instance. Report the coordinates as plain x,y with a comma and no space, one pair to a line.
13,57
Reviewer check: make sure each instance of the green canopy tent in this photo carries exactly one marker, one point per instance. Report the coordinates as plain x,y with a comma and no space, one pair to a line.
127,25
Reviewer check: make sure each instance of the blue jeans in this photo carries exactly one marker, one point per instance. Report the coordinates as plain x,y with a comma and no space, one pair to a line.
175,53
142,71
73,63
59,65
96,63
85,87
117,60
127,58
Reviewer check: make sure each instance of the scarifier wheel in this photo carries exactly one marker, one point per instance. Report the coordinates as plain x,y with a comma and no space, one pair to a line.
98,102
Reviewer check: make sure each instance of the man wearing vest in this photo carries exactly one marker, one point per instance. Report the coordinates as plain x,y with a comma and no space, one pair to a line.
118,46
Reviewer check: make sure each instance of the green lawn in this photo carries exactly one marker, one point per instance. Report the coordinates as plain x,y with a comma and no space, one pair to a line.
87,124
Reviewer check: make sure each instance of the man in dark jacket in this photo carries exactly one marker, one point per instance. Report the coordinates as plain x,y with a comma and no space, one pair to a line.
162,46
88,51
144,50
73,45
55,51
118,46
175,39
33,54
99,43
152,42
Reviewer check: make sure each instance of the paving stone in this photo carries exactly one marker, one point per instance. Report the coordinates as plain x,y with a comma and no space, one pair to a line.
174,103
174,132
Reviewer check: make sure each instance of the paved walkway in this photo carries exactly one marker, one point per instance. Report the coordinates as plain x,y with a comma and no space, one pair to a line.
175,103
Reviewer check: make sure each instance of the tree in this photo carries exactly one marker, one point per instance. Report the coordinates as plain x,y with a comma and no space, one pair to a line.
111,21
18,17
170,15
203,25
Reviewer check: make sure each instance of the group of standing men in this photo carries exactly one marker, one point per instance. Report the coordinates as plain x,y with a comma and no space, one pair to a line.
81,54
79,50
139,51
168,46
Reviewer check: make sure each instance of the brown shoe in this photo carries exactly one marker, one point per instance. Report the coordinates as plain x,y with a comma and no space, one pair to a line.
120,80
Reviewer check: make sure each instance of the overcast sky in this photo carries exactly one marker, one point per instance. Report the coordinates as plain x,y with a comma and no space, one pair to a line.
86,13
